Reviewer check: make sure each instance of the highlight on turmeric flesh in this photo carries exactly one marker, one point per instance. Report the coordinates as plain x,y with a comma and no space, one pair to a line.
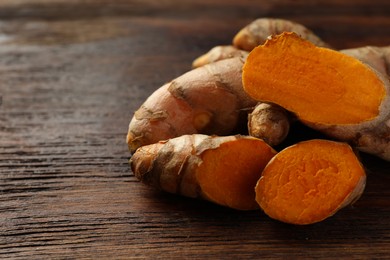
223,170
310,181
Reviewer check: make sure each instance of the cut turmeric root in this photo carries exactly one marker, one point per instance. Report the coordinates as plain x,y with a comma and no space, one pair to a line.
223,170
327,90
310,181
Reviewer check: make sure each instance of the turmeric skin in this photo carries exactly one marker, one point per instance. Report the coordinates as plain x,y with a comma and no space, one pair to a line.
376,57
329,91
223,170
206,100
258,31
269,122
219,53
310,181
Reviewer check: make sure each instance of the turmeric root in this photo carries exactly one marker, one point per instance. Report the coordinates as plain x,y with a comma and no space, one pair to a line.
327,90
258,31
219,53
310,181
377,57
269,122
251,36
223,170
206,100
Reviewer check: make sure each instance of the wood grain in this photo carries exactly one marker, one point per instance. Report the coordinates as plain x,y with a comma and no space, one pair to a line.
73,72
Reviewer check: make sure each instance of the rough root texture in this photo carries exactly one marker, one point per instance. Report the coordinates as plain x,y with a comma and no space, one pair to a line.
310,181
260,30
269,122
327,90
223,170
219,53
206,100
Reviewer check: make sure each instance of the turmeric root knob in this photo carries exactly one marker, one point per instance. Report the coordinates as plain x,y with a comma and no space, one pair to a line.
223,170
219,53
269,122
310,181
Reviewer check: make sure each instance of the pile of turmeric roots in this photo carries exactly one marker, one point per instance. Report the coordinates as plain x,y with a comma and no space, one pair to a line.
184,138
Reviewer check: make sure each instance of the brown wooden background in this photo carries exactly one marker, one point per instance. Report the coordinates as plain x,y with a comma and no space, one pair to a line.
71,75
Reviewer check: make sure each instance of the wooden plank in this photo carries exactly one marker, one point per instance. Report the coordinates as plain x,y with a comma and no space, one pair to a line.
73,72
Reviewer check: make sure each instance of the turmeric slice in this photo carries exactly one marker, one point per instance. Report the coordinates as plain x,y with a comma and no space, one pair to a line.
223,170
327,90
310,181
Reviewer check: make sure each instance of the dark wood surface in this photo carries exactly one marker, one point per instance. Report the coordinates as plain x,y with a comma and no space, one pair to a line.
71,75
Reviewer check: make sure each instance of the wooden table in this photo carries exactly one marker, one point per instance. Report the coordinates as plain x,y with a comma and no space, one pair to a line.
71,75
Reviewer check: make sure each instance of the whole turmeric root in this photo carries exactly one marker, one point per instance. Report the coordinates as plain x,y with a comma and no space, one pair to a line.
206,100
258,31
327,90
223,170
310,181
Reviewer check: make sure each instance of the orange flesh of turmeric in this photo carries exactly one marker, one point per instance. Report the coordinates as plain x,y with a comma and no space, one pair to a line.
229,173
318,84
310,181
